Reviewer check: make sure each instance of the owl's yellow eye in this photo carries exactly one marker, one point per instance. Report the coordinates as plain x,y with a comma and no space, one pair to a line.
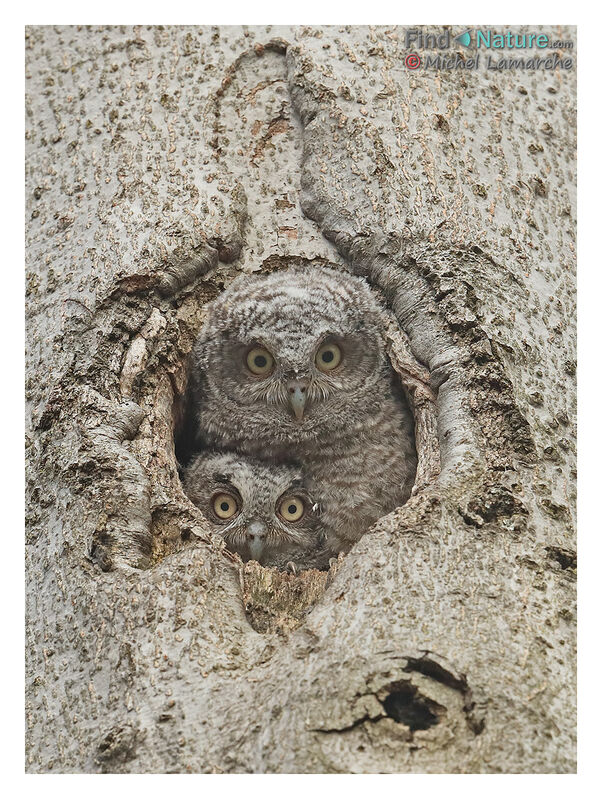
328,357
260,361
291,509
225,506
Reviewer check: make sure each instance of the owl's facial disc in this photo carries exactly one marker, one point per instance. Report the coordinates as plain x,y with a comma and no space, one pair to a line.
297,384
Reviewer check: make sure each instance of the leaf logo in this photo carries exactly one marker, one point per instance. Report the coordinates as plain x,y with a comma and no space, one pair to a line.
463,38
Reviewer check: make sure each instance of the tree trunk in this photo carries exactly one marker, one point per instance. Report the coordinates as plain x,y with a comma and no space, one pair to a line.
160,163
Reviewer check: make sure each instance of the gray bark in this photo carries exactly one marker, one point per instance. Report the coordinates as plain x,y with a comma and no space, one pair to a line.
160,162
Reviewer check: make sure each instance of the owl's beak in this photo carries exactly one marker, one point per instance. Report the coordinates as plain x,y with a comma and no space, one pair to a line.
297,395
256,533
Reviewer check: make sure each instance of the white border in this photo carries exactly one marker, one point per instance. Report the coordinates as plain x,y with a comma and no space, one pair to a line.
590,317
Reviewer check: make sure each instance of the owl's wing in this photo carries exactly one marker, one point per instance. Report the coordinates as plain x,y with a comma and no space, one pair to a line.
416,382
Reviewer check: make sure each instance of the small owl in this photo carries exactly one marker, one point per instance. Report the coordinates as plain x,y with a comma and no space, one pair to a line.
262,512
293,365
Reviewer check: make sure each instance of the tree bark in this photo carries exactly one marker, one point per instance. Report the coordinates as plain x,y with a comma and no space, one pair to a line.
161,162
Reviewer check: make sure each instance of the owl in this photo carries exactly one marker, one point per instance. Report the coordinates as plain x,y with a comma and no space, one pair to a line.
293,365
262,511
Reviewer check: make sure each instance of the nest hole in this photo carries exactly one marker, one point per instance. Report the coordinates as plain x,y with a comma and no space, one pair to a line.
415,389
184,425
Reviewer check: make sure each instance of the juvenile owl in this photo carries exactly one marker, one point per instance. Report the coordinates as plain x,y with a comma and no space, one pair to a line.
263,512
293,365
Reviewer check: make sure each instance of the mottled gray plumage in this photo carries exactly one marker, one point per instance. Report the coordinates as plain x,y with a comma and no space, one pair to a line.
250,504
348,425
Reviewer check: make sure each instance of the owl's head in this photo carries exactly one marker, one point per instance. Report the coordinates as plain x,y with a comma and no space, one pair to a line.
263,512
290,356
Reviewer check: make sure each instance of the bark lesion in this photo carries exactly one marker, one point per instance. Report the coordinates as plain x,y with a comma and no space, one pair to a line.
405,705
420,701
